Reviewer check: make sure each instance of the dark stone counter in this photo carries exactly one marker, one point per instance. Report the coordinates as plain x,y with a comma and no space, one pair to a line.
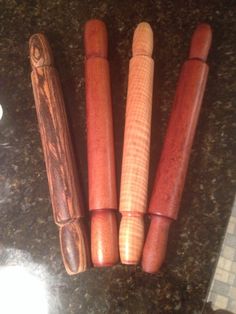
28,236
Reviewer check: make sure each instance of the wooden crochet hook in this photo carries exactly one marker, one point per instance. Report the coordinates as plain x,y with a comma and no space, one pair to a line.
59,157
171,172
135,163
100,147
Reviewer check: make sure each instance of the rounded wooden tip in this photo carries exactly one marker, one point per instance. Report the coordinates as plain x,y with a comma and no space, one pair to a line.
154,251
95,39
201,42
74,247
131,239
104,238
143,40
40,51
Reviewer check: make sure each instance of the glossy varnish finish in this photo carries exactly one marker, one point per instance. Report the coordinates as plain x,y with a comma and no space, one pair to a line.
135,163
100,147
59,157
171,172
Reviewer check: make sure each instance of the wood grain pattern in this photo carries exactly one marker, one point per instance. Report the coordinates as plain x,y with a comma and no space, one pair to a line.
135,163
59,158
100,147
172,168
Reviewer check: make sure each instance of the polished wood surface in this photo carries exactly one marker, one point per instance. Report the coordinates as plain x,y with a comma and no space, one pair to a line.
135,163
59,158
100,147
172,168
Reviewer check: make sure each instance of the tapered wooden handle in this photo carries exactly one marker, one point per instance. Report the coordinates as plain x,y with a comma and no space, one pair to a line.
100,146
95,39
201,42
61,169
172,168
135,163
154,251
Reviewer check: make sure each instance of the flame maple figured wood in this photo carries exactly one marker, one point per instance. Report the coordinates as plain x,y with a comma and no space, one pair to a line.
100,146
135,163
172,168
61,169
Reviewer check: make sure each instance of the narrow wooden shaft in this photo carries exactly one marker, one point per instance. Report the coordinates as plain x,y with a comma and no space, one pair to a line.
100,146
135,163
100,142
59,157
62,175
175,155
172,168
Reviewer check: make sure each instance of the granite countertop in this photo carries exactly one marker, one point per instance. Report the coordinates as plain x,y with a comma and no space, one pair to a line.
28,236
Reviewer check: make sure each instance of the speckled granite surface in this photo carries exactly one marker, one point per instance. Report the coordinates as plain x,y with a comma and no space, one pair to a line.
28,235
